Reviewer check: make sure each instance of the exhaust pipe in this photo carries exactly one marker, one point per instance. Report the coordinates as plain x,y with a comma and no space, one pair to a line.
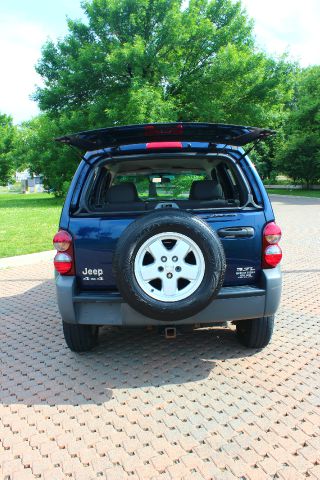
170,332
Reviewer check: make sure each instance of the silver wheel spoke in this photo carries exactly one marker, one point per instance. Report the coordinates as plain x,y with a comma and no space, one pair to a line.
169,286
181,249
149,272
158,250
189,272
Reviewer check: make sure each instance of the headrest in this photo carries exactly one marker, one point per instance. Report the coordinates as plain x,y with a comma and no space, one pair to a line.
122,193
205,190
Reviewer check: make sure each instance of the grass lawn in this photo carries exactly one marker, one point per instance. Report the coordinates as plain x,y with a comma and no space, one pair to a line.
27,223
301,193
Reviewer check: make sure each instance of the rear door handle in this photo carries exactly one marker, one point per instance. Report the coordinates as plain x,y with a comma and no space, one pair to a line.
236,232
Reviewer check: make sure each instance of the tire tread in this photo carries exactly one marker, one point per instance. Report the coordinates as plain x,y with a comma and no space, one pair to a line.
255,333
79,338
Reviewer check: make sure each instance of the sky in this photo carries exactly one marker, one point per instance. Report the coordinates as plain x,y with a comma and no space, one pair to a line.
280,25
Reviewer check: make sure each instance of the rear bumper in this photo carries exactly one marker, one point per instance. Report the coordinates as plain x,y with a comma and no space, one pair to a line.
232,303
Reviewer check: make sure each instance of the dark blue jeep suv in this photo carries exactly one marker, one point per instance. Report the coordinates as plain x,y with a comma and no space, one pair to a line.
167,225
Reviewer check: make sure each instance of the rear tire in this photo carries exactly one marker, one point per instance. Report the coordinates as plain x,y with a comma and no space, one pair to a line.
80,338
256,332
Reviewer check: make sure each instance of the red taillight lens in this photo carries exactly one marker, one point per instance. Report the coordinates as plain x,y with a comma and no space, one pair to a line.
62,241
63,263
272,253
272,233
160,145
272,256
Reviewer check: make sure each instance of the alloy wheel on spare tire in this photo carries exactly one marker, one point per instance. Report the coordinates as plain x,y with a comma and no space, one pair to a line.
169,265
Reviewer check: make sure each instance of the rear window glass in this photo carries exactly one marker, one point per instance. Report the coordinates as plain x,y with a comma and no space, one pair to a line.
146,184
162,186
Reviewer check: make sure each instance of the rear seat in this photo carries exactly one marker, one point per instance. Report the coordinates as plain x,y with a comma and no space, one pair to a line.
203,194
206,193
123,198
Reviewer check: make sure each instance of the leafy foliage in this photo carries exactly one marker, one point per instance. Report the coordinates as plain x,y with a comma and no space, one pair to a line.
35,146
300,155
149,60
7,135
182,183
136,61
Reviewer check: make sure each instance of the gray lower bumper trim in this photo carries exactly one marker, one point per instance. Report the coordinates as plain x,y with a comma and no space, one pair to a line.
115,297
232,303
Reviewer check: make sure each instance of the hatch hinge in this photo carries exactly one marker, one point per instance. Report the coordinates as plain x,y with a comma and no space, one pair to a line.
82,157
249,150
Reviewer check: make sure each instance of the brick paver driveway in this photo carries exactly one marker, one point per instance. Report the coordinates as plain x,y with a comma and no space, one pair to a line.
140,406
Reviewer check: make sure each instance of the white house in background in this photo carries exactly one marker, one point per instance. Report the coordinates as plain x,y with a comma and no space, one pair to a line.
30,183
24,175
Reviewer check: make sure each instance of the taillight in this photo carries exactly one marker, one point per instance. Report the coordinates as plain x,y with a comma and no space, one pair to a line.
272,233
272,253
62,241
272,256
63,261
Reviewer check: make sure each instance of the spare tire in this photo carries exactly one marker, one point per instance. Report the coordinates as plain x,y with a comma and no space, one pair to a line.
169,264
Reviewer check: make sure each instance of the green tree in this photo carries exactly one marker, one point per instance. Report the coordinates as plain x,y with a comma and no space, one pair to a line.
7,135
150,60
134,58
137,61
36,149
182,183
299,156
